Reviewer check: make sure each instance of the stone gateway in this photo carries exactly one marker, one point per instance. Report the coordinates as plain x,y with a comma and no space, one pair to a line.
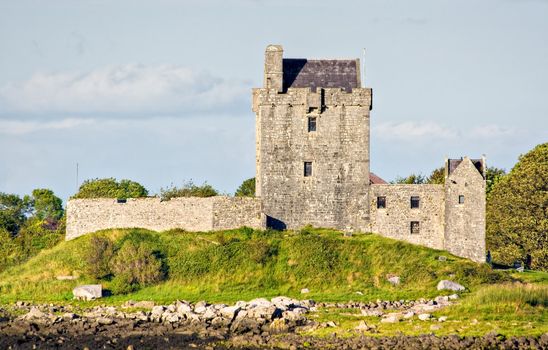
313,168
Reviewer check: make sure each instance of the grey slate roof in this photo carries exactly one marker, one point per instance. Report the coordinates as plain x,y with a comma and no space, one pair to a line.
303,73
454,163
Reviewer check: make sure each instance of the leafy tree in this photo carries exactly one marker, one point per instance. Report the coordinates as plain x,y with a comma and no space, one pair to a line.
189,189
45,205
437,177
517,212
246,189
13,212
411,179
493,176
110,188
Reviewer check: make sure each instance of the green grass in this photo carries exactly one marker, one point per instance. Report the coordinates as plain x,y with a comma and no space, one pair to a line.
243,264
511,309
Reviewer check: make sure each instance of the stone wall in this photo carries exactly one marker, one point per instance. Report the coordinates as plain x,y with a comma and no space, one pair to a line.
191,214
394,221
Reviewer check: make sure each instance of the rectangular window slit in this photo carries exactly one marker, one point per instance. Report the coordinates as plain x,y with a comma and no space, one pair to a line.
307,168
415,202
415,227
381,202
121,200
311,124
461,199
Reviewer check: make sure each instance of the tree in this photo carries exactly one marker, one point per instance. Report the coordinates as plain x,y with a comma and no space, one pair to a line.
411,179
189,189
246,189
13,211
493,176
517,220
45,205
110,188
437,177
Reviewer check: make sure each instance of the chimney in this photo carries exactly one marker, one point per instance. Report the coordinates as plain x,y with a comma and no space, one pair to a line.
273,67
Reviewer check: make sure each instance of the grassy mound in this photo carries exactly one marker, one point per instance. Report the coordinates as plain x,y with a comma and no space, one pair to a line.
245,263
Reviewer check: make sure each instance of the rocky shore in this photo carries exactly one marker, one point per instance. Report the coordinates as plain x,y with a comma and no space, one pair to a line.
257,324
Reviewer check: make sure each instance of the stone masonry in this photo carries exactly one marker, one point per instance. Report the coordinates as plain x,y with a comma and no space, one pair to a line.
313,168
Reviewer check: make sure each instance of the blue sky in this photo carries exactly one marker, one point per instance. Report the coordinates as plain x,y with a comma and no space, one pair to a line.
160,91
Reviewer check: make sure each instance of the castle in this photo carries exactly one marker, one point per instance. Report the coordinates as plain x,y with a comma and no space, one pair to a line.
313,168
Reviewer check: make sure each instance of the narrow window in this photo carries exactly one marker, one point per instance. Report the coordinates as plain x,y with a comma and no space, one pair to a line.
461,199
414,202
381,202
307,168
311,124
415,228
121,200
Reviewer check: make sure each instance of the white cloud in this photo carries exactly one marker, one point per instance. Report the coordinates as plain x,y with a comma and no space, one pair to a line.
123,89
492,131
411,130
17,127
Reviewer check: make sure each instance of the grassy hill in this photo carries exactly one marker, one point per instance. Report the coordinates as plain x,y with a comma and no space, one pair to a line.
245,263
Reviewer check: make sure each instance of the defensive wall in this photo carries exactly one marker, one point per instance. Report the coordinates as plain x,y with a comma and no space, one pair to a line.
191,214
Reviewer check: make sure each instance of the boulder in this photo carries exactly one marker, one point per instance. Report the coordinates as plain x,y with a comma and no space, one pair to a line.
34,314
442,319
391,318
229,312
362,326
305,291
104,320
424,317
158,310
408,314
450,285
279,325
285,302
183,307
88,292
259,302
394,280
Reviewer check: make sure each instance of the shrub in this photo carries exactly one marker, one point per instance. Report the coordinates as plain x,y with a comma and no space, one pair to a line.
314,255
189,189
136,265
259,251
99,256
110,188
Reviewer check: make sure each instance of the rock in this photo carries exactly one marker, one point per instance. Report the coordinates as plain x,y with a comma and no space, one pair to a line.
268,313
285,302
331,324
88,292
144,304
66,278
34,314
183,308
435,327
362,326
391,318
70,316
408,314
104,320
367,312
394,280
229,312
442,258
520,269
210,313
453,296
359,293
450,285
259,302
172,318
158,310
279,325
442,319
424,317
305,291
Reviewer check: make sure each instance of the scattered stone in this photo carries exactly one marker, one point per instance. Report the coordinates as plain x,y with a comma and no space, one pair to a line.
442,319
279,325
391,318
408,315
88,292
362,326
374,312
394,280
66,278
104,320
442,258
359,293
520,269
450,285
331,324
424,317
34,314
435,327
453,297
305,291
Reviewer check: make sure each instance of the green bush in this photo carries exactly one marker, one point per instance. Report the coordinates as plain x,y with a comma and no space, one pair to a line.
99,256
189,189
136,265
110,188
313,255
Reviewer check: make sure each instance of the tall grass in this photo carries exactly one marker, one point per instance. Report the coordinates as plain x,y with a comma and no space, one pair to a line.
516,294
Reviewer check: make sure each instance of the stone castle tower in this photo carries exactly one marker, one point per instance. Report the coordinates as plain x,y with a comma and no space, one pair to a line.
312,142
